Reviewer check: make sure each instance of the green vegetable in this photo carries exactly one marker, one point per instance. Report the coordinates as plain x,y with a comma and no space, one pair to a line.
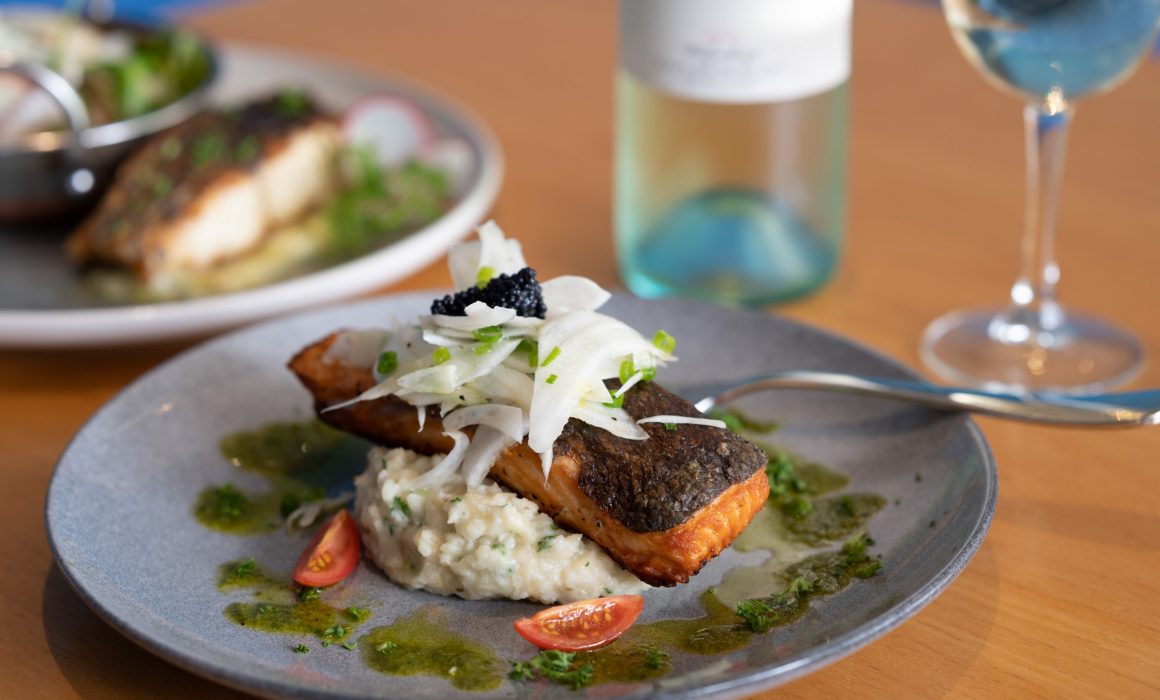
310,593
397,503
386,647
797,506
301,649
488,334
664,342
377,205
441,355
483,348
551,379
617,402
551,356
628,369
245,569
388,362
556,666
758,616
783,478
349,646
670,426
545,542
484,276
654,658
357,614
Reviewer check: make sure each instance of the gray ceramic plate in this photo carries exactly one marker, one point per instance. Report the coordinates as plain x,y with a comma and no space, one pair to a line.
45,303
120,520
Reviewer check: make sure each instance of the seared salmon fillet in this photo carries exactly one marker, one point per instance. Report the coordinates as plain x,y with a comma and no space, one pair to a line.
211,189
661,507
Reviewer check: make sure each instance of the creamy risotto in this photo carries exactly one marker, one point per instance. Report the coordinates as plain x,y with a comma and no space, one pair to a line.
482,542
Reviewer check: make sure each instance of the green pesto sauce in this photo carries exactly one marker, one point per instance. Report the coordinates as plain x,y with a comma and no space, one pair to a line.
310,451
742,423
832,518
227,509
300,461
281,608
421,645
626,661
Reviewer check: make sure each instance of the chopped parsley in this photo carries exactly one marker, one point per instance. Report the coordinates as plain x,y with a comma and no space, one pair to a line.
654,658
301,649
386,647
556,666
397,503
545,542
310,593
357,614
670,426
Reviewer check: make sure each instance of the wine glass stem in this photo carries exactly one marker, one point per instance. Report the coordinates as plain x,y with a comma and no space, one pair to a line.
1034,314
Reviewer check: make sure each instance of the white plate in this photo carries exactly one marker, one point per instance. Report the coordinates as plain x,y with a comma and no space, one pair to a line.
44,304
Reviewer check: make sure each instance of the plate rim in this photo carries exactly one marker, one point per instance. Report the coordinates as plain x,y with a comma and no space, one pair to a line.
761,679
127,324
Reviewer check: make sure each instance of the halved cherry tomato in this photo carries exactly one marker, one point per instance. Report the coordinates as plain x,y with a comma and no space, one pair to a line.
332,554
585,624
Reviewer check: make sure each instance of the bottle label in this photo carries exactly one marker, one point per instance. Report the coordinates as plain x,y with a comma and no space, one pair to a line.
738,51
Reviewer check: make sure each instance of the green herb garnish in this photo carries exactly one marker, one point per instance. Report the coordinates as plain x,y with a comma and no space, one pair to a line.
488,334
397,503
551,356
556,666
349,646
386,647
758,616
301,649
484,276
664,342
551,379
545,542
357,614
310,593
670,426
388,362
654,658
532,349
441,355
617,402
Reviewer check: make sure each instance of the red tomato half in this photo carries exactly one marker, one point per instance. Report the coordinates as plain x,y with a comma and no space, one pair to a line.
332,554
585,624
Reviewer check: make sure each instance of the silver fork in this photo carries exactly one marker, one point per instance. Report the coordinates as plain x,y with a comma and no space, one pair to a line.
1096,410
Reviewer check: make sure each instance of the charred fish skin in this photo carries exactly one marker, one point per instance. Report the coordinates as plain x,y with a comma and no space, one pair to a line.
662,518
211,188
657,484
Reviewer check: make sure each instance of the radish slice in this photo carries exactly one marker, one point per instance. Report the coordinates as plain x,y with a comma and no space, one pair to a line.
392,127
454,157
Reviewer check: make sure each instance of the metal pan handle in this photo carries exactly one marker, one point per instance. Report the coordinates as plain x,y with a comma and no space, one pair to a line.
81,180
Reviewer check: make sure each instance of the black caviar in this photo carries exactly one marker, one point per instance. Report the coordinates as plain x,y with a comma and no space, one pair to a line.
520,291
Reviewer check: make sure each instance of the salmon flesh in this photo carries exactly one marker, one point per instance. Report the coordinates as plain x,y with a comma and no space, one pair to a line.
661,507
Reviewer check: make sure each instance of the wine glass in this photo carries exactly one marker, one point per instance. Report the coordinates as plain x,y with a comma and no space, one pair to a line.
1049,53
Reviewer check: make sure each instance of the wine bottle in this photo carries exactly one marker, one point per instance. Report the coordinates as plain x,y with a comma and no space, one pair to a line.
731,146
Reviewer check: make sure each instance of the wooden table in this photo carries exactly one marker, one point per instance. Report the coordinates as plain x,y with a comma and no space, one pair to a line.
1062,599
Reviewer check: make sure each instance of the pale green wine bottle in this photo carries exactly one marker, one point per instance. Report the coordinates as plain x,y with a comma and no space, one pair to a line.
731,146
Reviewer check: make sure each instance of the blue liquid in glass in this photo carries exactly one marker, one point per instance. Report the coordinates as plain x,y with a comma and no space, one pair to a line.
729,245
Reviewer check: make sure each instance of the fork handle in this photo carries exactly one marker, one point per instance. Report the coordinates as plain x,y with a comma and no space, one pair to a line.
1035,408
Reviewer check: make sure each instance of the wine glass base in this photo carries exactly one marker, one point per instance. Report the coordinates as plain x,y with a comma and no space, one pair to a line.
1086,356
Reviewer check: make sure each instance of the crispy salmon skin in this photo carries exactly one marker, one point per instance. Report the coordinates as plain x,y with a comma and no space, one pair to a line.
661,507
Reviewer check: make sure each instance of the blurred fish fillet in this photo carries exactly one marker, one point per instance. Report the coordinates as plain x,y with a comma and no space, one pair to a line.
211,189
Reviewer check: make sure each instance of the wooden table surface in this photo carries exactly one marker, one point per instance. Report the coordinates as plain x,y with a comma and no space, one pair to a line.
1062,598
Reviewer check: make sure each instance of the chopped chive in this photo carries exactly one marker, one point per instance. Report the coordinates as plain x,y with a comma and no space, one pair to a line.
664,342
670,426
551,356
488,334
483,348
484,276
617,402
626,371
388,362
441,355
551,379
532,348
650,373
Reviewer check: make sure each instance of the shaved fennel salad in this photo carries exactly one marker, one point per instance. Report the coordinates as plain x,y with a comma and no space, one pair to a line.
512,357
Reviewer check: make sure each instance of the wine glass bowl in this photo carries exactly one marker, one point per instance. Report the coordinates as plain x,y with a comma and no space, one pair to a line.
1048,53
